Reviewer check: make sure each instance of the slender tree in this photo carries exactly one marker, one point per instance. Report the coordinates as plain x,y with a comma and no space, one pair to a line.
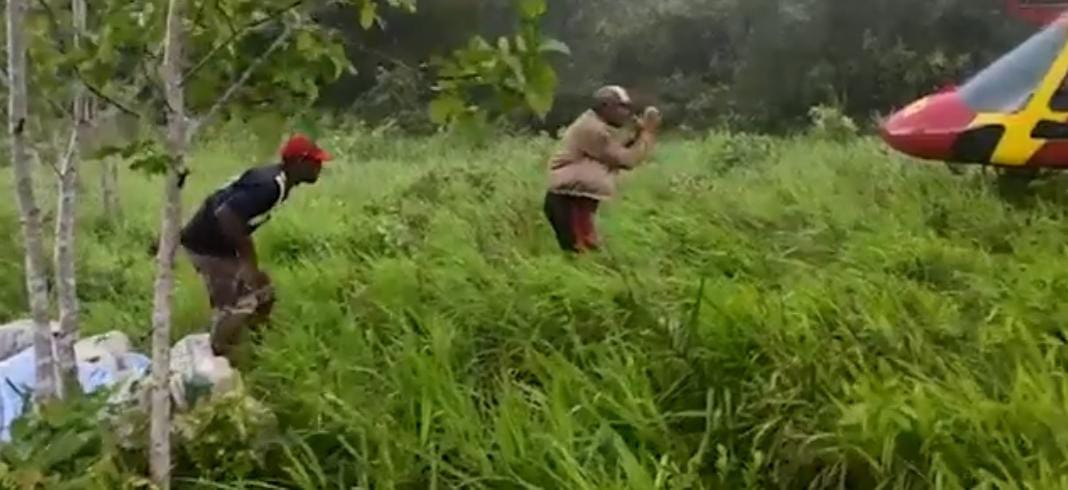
181,128
172,212
66,289
29,214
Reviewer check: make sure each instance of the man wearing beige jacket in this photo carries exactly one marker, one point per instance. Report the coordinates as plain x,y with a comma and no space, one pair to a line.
582,172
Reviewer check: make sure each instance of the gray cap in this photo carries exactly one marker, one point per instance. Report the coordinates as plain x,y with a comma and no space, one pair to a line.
610,94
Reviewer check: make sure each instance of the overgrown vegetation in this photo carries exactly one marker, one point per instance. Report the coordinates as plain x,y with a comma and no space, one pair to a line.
769,312
811,313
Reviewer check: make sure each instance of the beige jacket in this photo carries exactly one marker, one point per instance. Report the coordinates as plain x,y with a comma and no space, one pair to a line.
589,158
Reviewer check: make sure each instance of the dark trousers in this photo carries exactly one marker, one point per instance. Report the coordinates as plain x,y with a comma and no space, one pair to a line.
234,304
572,220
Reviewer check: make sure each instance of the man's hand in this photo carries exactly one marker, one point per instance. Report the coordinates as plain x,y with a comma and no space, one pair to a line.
255,278
650,121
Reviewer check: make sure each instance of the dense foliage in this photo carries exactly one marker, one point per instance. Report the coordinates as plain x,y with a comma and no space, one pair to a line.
754,64
768,314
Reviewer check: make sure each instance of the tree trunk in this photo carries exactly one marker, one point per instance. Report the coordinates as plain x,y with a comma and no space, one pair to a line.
29,214
160,457
66,209
64,268
109,181
108,173
161,331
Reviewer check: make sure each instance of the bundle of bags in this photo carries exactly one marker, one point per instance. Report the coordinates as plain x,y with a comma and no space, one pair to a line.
107,361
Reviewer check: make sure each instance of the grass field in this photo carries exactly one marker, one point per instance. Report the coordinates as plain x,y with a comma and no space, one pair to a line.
765,314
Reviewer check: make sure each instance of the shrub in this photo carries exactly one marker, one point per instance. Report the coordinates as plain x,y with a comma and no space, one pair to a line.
828,122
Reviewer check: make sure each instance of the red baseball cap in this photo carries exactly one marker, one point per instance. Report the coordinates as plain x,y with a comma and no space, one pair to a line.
300,145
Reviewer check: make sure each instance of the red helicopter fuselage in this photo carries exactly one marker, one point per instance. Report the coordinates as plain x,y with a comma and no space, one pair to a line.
1013,113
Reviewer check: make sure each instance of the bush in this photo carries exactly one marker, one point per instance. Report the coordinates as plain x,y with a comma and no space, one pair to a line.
66,446
828,122
224,439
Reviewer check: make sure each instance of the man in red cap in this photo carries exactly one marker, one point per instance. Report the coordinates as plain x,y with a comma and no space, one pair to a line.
218,239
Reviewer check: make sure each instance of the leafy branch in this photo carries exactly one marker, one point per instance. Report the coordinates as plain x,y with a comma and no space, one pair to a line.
53,19
105,97
516,72
236,34
61,47
229,93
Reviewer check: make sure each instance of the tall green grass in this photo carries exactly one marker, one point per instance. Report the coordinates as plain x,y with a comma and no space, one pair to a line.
765,314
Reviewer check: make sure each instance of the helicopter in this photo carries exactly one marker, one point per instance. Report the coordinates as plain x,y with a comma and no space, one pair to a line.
1012,115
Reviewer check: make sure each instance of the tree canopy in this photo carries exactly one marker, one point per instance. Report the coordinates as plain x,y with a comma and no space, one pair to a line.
753,64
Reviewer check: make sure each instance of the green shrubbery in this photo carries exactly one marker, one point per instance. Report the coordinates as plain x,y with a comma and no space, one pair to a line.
767,313
828,122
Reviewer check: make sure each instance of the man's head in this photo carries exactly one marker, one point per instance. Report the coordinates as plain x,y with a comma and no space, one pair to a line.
302,159
612,103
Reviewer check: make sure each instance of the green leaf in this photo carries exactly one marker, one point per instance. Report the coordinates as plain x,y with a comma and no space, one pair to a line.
540,103
541,88
516,66
473,127
105,151
532,9
152,164
478,43
368,13
306,44
406,4
146,156
134,147
341,63
635,471
444,107
62,448
97,71
542,77
554,46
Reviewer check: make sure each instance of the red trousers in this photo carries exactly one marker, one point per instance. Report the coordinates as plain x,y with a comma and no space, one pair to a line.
572,219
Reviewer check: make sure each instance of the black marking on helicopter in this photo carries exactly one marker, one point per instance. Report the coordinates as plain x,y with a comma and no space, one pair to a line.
977,145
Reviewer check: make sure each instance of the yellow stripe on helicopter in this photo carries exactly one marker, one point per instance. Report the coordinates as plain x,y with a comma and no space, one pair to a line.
1016,146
